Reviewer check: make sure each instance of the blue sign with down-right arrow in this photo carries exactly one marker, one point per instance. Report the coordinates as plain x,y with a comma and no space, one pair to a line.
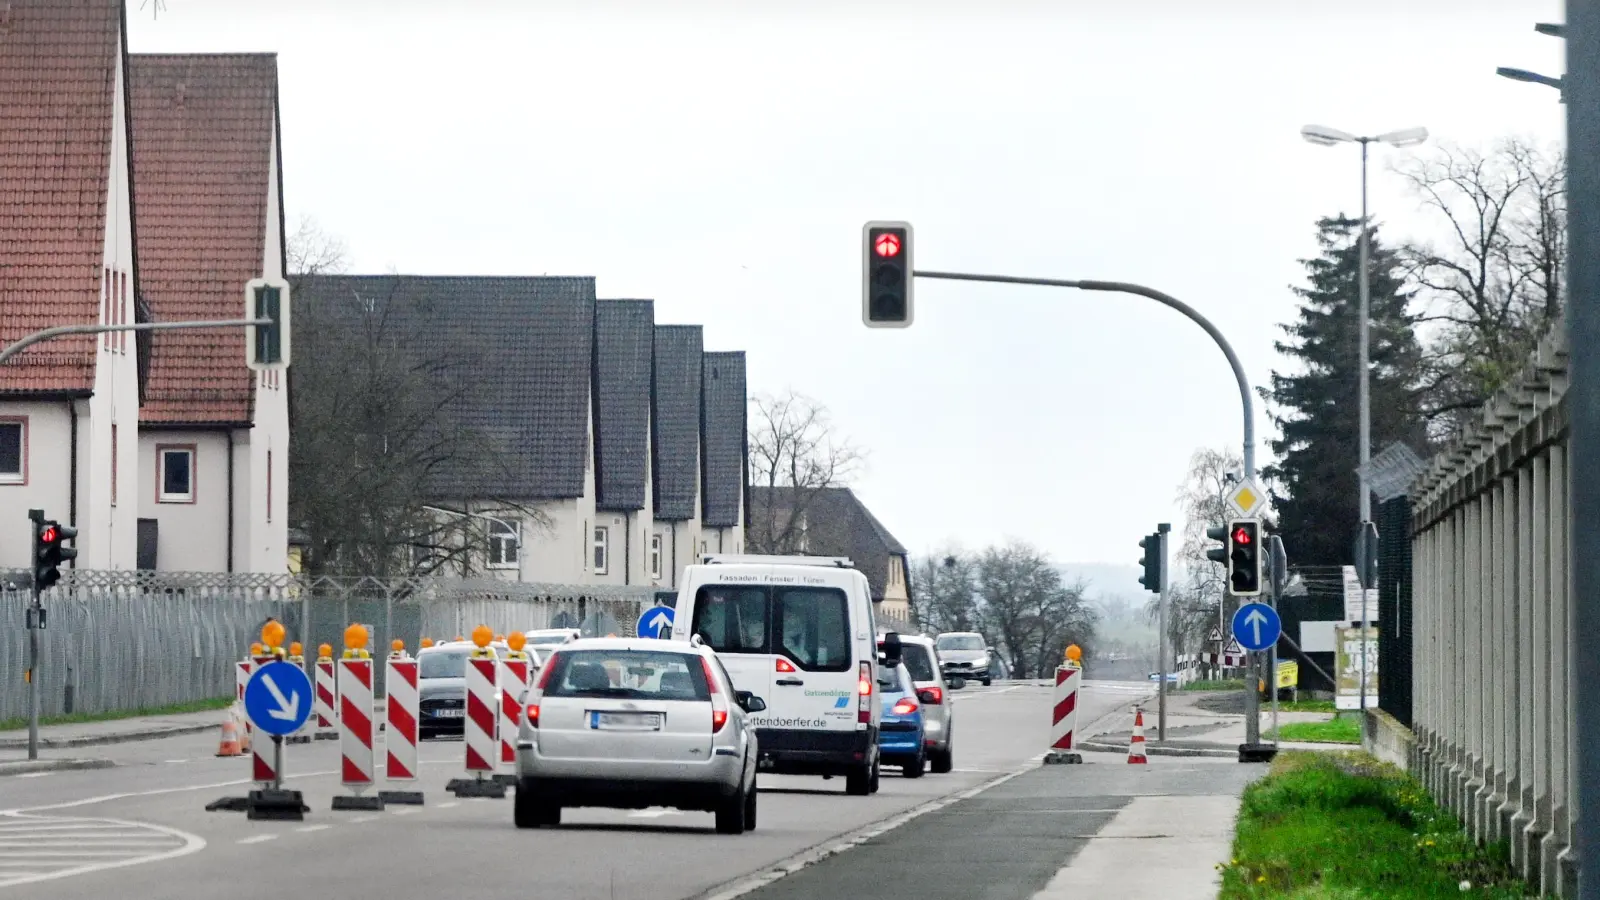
1257,626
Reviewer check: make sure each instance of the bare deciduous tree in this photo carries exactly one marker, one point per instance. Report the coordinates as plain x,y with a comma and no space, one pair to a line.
1195,589
1496,284
1030,608
796,454
947,592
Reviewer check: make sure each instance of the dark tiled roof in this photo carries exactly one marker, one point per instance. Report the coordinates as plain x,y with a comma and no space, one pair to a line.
58,68
837,524
624,361
521,348
202,144
676,425
722,424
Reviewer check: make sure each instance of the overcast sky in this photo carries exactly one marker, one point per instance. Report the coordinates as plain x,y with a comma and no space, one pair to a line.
720,158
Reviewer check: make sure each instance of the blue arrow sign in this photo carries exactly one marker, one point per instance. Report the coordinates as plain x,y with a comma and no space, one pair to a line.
277,698
656,622
1257,626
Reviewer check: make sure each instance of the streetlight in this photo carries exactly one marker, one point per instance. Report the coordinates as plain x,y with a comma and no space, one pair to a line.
1328,137
1551,30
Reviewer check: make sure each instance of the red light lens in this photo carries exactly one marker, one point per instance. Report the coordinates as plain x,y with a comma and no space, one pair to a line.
906,706
1242,536
544,674
533,715
719,718
887,245
48,535
935,695
784,665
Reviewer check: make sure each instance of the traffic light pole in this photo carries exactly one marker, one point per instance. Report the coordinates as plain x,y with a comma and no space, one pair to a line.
36,516
1252,719
62,330
1165,646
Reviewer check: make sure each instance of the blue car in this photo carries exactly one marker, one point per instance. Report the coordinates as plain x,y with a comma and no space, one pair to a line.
901,738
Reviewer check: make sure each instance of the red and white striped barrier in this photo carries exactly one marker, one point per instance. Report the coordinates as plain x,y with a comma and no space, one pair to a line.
302,735
1136,740
482,721
327,702
514,673
401,710
241,722
1064,720
358,758
262,770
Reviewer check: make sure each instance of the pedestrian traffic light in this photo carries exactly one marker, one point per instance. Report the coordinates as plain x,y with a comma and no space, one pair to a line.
1152,562
1244,557
886,275
267,346
49,552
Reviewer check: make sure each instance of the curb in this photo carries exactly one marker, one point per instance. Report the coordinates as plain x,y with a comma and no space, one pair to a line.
1153,749
33,766
99,740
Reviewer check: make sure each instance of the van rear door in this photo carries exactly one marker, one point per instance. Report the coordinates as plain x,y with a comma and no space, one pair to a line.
811,632
734,620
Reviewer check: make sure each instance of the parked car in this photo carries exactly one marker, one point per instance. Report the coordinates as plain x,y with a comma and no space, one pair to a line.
938,712
442,687
630,723
798,631
964,654
901,735
551,637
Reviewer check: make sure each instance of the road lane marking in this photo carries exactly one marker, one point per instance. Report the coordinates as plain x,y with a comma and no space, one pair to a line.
35,774
654,813
447,805
359,819
309,828
258,839
43,848
406,811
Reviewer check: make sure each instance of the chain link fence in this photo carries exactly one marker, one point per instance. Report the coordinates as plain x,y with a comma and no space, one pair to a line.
125,640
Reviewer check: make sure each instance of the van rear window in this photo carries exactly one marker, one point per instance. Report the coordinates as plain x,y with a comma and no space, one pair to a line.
810,626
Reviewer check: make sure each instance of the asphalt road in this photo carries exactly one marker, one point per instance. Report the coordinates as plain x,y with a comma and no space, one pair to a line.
140,829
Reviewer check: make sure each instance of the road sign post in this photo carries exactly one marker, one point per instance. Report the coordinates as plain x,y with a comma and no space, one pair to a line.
656,622
277,700
1256,627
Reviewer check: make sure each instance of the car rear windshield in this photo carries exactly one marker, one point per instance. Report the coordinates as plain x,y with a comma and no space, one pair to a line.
808,625
449,664
628,674
918,661
889,680
960,642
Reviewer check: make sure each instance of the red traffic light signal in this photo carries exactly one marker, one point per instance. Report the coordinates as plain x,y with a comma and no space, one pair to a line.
1241,536
886,274
887,244
48,535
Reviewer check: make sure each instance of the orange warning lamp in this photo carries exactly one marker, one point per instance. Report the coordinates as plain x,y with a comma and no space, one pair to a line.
256,649
1075,653
426,643
295,649
482,635
272,634
516,640
325,650
397,645
355,637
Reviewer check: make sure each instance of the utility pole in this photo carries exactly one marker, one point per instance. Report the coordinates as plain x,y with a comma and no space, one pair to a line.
1167,661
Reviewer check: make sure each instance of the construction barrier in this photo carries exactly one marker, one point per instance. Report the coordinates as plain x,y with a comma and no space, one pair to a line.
1064,721
358,759
1136,740
262,770
515,671
401,711
303,734
482,719
327,702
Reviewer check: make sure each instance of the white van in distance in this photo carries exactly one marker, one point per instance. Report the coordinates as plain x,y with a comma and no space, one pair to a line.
797,631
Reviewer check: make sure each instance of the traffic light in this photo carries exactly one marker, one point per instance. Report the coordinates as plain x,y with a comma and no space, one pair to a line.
886,274
1244,557
1152,562
1218,555
48,552
267,346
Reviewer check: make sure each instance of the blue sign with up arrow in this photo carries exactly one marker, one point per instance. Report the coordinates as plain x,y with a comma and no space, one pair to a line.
656,622
277,698
1256,626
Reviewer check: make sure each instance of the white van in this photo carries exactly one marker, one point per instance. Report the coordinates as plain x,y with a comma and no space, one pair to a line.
798,632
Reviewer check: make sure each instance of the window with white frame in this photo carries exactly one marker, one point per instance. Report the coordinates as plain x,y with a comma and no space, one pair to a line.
602,549
655,556
505,540
175,474
13,451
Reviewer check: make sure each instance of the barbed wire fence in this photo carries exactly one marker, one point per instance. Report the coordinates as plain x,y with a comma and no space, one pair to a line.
135,640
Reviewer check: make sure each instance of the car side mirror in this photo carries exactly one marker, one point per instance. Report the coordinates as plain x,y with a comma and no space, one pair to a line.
750,702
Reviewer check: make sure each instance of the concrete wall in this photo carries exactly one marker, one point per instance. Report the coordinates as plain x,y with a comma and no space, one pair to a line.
47,466
192,537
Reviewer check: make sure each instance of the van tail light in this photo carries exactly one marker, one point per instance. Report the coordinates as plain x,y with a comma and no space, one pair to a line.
784,665
719,705
533,715
864,690
935,695
905,707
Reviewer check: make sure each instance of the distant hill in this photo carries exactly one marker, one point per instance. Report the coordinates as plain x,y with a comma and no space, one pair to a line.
1104,579
1116,593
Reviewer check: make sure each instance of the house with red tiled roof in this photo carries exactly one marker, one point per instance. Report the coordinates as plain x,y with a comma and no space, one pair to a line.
213,434
69,407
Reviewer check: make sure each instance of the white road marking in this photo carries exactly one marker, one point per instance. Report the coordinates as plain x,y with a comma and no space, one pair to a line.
448,805
309,828
177,761
406,811
654,813
40,848
35,774
258,839
359,819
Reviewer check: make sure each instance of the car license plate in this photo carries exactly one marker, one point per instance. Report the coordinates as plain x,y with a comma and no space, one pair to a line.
607,721
449,713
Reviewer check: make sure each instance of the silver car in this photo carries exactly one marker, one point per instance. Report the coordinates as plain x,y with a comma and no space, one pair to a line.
938,713
631,723
965,655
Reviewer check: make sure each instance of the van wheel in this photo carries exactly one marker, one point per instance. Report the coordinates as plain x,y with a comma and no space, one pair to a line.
876,772
944,761
858,782
730,814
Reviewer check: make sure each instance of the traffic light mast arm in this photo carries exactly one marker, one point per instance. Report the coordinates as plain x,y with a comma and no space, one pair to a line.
61,330
1123,287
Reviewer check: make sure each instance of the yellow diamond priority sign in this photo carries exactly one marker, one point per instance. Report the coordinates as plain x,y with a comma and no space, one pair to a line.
1247,499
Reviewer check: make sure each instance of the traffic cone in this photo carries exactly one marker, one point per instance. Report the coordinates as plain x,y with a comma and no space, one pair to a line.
240,728
1136,742
230,745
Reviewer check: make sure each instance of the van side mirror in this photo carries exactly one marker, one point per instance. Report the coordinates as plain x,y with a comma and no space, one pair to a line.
889,649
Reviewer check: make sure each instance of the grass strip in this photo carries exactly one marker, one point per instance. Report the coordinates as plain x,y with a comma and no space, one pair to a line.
1232,684
1342,826
176,709
1342,730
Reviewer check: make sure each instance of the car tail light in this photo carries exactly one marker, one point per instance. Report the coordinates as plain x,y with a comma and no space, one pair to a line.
935,695
784,665
864,689
533,715
905,707
544,673
719,706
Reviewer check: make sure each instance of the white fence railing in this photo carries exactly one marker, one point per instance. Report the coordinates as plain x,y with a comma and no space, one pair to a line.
1492,602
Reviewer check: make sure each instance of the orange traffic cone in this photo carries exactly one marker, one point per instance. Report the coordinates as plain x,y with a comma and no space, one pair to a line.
1136,742
230,745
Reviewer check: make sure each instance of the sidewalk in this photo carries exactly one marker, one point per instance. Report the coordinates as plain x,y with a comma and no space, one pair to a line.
1193,730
